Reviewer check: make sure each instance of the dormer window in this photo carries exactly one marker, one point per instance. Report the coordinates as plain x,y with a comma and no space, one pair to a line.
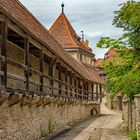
106,56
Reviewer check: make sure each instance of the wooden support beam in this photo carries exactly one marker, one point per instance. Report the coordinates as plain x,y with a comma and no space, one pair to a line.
51,73
3,48
97,93
66,81
87,94
79,91
60,79
84,90
71,84
75,85
100,86
92,89
26,61
41,70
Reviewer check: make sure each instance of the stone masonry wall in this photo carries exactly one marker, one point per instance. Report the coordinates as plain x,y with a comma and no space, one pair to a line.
31,117
131,114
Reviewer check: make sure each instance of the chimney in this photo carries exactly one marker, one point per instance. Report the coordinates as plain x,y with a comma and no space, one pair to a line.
87,42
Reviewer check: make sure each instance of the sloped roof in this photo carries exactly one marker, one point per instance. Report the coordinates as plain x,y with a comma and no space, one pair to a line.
99,62
112,53
21,16
64,33
93,73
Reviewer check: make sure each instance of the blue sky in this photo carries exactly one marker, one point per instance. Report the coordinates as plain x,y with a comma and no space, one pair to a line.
94,17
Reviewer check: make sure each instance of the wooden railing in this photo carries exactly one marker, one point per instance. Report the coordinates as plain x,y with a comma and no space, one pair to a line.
69,92
44,83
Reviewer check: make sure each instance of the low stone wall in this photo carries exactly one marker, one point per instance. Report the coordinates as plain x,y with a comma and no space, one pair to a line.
131,114
114,102
32,117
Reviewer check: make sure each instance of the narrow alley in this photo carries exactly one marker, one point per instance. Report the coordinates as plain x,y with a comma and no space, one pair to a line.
106,127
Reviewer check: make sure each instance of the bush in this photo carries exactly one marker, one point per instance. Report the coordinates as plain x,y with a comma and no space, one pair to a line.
133,135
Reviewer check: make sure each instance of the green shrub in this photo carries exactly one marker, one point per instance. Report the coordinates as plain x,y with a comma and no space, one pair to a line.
133,135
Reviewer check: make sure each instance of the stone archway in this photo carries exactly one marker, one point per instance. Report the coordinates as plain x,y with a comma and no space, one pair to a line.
93,112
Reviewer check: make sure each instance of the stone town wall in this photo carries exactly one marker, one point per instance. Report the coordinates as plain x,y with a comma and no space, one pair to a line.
131,114
114,102
137,114
31,117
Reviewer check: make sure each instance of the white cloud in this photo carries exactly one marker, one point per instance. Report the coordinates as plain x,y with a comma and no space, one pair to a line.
92,16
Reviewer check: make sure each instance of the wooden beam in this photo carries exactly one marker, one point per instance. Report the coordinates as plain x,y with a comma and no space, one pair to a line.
75,85
60,79
97,94
92,89
51,73
100,86
66,81
4,52
84,88
26,61
71,83
16,28
41,70
79,91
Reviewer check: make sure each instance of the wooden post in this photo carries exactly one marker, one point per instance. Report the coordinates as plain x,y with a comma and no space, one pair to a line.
70,84
60,79
66,81
92,94
100,93
26,61
87,94
41,70
51,73
4,34
97,96
82,88
75,91
79,91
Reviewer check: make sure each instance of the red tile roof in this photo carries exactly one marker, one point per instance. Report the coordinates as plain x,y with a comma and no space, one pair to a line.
21,16
99,62
111,54
93,73
64,33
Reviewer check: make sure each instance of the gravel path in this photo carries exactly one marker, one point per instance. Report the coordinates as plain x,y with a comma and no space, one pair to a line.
102,128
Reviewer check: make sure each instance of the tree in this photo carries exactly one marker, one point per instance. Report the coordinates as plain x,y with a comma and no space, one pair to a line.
128,19
123,73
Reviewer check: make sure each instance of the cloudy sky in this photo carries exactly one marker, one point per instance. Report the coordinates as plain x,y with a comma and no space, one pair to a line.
94,17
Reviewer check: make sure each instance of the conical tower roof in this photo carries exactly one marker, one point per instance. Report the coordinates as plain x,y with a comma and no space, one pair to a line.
64,33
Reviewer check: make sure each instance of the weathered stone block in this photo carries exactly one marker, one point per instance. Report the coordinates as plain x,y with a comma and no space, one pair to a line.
3,97
41,101
47,101
34,100
14,98
26,100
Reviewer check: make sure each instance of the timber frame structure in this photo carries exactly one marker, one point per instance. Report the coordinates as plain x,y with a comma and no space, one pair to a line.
30,66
